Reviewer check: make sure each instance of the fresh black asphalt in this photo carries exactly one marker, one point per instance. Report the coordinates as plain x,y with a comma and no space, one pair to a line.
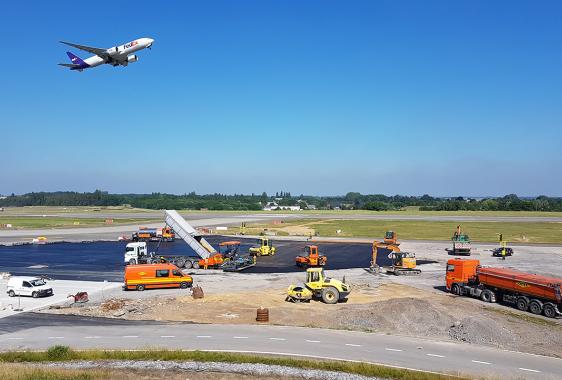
101,261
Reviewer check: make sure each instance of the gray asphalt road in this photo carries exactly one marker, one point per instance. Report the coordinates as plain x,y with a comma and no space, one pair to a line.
346,345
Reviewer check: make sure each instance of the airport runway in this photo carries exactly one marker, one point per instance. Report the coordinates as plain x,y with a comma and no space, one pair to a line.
101,261
399,351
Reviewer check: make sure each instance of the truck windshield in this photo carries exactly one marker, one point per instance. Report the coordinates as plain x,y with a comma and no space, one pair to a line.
129,249
450,268
39,282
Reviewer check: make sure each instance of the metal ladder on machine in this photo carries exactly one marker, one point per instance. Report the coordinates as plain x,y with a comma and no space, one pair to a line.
184,230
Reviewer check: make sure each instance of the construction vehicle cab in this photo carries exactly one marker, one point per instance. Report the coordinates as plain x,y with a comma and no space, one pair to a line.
312,258
318,286
264,247
228,250
390,237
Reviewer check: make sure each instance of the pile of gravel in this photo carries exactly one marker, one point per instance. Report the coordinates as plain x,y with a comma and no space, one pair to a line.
188,366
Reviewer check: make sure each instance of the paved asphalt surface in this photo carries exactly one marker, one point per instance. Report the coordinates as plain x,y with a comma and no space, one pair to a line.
29,331
104,260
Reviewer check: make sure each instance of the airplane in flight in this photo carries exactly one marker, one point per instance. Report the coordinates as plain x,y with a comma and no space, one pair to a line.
116,56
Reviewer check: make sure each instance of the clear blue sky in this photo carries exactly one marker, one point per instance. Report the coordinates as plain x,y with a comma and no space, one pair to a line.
314,97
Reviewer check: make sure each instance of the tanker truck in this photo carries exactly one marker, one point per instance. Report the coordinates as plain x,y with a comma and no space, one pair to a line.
526,291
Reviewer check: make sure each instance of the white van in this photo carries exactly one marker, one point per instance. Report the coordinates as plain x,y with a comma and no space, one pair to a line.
28,286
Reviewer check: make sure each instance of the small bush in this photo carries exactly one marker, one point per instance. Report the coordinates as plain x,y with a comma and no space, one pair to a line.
58,352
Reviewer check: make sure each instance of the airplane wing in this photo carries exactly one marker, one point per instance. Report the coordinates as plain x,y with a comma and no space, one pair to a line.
97,51
71,65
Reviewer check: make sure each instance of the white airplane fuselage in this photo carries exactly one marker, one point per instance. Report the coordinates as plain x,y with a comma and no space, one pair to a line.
121,52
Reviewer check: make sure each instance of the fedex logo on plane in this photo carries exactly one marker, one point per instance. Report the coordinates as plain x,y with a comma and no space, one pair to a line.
131,44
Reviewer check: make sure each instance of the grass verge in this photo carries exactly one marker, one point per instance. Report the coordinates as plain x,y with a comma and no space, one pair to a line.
524,232
24,222
63,353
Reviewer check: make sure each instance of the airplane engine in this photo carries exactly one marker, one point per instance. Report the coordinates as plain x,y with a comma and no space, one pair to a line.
132,58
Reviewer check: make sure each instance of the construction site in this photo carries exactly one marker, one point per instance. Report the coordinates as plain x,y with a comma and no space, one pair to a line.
483,294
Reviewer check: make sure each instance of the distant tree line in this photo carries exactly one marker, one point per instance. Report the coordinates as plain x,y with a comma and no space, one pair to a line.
350,201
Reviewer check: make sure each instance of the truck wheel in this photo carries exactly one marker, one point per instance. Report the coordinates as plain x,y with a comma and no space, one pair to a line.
132,262
549,310
140,288
456,289
180,263
195,265
184,285
488,296
330,295
188,264
34,294
523,303
11,293
535,307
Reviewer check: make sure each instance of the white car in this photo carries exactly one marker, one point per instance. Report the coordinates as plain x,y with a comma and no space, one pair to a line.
28,286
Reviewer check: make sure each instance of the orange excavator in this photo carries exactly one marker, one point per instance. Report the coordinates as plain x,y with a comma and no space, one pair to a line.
391,237
312,259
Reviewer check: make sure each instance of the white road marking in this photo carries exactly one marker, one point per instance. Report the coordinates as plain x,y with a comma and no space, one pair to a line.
15,338
530,370
435,355
480,362
313,341
204,336
352,345
393,349
56,337
167,336
277,338
239,337
130,336
91,337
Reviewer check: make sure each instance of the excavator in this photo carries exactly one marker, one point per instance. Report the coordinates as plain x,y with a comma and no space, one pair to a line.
312,259
403,263
264,248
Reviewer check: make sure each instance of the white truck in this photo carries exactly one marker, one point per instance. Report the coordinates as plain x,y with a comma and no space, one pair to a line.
28,286
137,253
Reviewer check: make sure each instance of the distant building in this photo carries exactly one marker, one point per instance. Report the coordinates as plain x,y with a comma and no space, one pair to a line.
271,206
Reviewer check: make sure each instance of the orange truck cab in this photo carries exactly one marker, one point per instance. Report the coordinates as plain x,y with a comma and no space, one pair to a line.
152,276
460,271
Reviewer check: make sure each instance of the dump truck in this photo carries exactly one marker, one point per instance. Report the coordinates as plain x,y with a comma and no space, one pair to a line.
137,253
526,291
318,286
312,258
263,248
461,243
154,234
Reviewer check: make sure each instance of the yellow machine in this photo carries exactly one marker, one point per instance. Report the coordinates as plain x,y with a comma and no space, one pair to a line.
264,248
403,263
318,286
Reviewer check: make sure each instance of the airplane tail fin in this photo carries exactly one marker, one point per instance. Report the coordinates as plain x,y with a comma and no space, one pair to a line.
75,59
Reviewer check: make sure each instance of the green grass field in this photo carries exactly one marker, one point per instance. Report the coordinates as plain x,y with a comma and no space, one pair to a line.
531,232
22,222
62,353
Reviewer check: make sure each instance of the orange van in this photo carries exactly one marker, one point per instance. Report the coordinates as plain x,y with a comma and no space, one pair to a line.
152,276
